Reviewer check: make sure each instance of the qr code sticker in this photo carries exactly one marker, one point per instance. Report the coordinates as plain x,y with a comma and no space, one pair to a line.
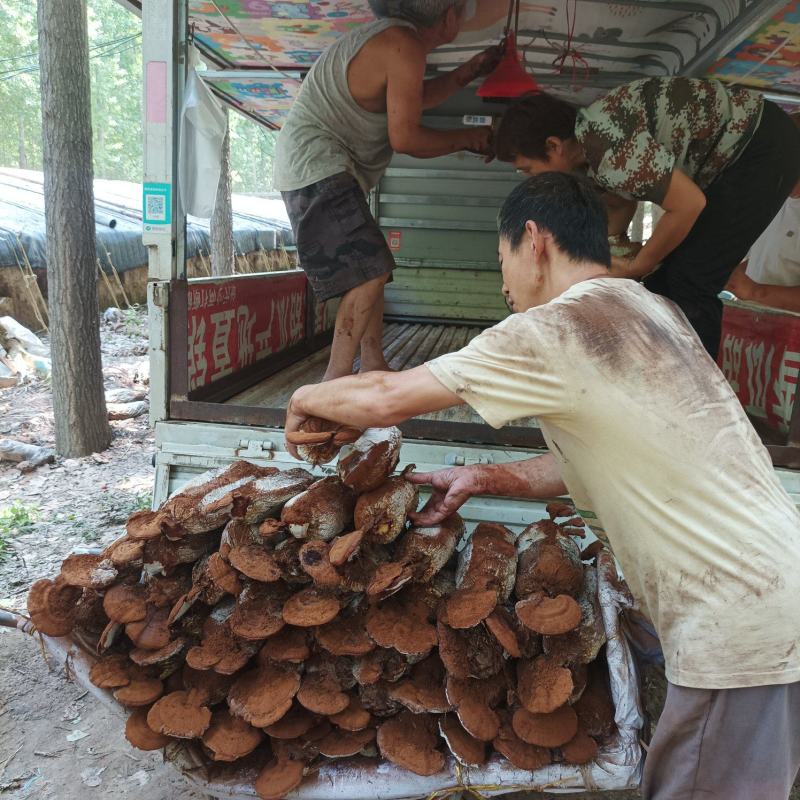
156,207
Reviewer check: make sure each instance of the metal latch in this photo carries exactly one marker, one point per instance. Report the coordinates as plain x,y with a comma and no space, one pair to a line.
459,460
255,448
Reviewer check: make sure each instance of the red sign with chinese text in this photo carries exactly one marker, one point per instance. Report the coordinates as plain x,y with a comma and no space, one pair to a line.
235,322
760,356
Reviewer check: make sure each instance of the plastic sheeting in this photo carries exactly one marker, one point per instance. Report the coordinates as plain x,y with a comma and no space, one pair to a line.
258,223
202,133
618,765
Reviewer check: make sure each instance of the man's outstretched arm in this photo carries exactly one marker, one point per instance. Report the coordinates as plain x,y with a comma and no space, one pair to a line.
535,478
371,400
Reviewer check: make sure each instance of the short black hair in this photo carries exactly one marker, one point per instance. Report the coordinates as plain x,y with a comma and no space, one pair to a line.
566,205
529,121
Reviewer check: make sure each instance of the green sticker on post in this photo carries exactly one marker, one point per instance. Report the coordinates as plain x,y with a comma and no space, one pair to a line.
156,204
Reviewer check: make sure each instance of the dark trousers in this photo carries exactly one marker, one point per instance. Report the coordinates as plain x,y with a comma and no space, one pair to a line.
740,204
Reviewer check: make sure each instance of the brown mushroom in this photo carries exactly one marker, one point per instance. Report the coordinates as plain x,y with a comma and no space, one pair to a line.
229,738
258,611
474,702
88,571
545,730
467,608
219,649
521,754
282,774
141,690
580,749
125,603
141,735
143,525
52,606
320,512
391,666
223,575
354,718
367,463
315,561
315,440
255,562
346,637
345,547
289,645
409,740
402,622
382,512
181,714
423,691
543,685
467,750
152,632
108,636
170,654
321,693
213,684
502,625
295,723
110,672
343,744
264,695
581,645
549,615
310,607
125,552
485,575
549,562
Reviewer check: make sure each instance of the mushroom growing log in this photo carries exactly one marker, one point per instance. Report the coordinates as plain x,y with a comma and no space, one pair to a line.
369,461
485,576
381,513
322,511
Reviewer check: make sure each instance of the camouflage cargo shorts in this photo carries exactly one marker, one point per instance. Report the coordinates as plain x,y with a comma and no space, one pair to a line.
339,244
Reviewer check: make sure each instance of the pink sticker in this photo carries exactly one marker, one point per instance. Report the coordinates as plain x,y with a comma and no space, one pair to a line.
156,91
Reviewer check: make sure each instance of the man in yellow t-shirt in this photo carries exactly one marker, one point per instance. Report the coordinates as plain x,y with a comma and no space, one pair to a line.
651,443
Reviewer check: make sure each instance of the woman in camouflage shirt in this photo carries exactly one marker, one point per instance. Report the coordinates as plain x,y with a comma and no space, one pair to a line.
720,161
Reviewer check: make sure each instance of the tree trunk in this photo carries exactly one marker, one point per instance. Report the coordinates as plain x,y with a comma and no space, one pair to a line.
23,156
222,259
78,402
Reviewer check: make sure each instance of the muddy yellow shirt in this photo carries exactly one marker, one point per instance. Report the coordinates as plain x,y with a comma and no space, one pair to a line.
662,462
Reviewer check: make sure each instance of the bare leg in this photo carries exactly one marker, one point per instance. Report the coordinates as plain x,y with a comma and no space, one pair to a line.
372,358
352,318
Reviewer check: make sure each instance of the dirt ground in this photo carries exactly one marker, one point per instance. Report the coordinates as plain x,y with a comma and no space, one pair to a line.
55,742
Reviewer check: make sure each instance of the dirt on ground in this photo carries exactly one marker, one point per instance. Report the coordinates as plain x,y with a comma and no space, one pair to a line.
56,741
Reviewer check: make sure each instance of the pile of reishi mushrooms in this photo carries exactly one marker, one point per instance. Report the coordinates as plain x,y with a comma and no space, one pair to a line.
288,619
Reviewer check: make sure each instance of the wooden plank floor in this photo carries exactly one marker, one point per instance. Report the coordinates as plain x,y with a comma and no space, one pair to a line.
406,345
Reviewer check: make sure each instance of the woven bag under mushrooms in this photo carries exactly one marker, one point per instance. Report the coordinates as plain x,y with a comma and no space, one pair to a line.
370,460
485,575
322,511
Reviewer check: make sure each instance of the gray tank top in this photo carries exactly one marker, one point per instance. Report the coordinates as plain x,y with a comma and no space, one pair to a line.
327,131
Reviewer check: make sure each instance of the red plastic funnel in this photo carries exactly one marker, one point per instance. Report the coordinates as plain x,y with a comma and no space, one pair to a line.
509,78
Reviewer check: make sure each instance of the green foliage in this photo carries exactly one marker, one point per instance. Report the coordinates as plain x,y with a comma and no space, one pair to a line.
15,519
115,65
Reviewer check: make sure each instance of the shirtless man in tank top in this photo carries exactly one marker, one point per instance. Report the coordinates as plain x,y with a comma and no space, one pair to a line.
361,103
